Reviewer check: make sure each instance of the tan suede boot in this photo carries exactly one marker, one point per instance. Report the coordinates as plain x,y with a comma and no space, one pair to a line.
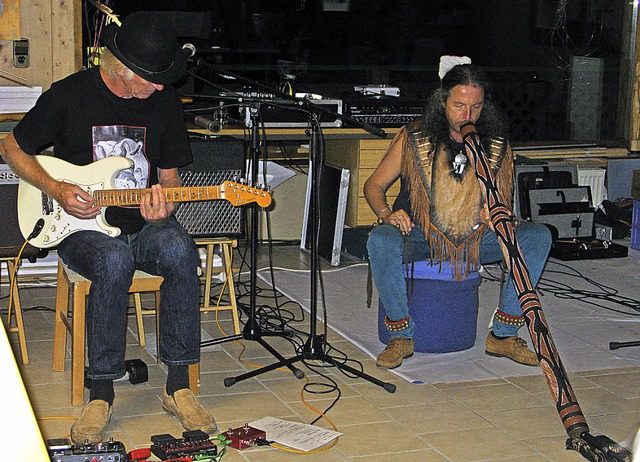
184,405
397,349
513,348
91,426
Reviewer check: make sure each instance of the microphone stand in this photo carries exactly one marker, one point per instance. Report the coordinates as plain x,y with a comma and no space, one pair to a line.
252,330
314,347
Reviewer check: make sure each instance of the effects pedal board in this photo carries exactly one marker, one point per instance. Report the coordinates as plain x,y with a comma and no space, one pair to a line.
61,450
193,443
244,437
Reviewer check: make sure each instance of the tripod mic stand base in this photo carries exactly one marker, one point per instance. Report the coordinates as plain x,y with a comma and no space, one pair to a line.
255,333
313,350
229,381
388,387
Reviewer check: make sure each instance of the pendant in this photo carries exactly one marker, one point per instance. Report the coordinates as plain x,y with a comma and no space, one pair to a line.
459,163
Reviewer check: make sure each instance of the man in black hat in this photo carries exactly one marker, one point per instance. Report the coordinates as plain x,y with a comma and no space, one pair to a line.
127,98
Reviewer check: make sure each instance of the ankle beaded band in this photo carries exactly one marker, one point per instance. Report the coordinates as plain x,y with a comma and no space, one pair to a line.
396,326
505,318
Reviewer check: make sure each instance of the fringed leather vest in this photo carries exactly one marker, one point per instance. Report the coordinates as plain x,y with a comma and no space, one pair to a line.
446,205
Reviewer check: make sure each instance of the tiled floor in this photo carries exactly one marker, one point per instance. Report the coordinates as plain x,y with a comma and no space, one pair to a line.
503,419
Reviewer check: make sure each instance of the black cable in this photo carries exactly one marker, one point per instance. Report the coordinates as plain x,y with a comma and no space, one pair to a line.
488,275
604,293
322,389
32,308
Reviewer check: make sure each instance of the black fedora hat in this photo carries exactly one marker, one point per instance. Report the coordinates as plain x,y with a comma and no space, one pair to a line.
146,43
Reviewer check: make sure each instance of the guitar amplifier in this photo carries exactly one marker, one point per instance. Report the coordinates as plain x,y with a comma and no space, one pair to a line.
214,161
11,238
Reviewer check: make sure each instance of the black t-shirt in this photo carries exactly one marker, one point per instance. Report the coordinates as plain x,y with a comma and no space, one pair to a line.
84,121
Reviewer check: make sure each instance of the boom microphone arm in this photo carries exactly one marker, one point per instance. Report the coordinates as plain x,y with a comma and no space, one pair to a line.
301,102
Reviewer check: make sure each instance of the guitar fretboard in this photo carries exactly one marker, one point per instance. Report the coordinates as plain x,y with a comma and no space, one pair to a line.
120,197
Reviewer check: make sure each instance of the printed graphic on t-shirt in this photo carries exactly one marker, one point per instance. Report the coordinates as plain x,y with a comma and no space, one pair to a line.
123,141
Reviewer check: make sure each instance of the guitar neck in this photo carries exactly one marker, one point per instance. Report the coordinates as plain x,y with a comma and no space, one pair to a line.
120,197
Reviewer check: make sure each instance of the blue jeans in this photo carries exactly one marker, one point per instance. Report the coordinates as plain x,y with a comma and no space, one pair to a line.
387,253
109,263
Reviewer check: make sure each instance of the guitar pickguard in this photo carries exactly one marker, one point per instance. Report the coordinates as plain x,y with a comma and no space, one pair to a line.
33,205
59,224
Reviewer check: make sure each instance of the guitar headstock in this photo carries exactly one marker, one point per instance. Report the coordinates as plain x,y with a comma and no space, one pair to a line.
241,194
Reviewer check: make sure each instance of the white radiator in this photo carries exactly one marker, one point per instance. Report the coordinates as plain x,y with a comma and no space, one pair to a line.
593,177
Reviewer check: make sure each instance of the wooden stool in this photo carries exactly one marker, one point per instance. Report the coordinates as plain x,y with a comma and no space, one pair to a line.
14,306
72,284
227,245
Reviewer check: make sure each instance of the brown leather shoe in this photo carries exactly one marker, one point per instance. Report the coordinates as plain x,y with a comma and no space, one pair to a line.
91,426
513,348
184,405
397,349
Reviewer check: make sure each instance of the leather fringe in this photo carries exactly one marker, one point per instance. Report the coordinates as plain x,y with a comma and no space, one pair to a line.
464,258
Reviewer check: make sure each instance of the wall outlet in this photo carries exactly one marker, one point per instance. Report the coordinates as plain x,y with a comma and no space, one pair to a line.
21,53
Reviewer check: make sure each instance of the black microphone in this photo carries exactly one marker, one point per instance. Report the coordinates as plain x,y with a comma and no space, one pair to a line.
210,124
189,50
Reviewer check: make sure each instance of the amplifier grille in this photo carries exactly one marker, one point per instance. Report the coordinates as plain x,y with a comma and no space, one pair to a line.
210,218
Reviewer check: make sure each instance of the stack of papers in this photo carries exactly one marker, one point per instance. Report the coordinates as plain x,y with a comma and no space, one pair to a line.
18,99
303,437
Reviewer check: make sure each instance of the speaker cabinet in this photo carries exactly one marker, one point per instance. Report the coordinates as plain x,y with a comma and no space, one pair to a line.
214,161
11,239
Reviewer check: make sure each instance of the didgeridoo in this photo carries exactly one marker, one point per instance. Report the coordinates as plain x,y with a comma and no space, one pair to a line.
597,449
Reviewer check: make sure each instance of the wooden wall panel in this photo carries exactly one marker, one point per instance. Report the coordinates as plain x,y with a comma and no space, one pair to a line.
10,20
66,32
53,28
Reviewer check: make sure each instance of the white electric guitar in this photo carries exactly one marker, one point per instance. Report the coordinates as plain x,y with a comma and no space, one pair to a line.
98,180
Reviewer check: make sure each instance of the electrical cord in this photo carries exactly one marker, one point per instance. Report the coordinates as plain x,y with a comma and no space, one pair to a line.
282,318
604,297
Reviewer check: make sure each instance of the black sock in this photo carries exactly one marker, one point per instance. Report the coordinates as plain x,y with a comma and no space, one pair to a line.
500,337
177,379
102,389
